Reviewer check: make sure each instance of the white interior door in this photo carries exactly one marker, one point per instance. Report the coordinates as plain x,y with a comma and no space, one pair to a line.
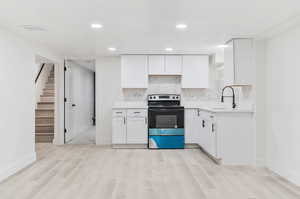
69,105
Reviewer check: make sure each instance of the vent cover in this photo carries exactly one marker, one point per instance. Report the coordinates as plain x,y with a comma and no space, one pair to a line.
32,28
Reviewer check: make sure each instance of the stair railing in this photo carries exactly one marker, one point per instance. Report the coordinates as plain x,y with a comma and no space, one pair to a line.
39,73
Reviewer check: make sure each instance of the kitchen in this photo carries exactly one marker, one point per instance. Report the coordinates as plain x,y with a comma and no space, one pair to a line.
175,101
193,99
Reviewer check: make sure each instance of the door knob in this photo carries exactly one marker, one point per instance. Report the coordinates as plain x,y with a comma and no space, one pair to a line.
73,105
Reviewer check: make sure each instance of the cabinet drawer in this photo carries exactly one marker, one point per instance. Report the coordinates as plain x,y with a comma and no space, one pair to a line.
136,113
119,113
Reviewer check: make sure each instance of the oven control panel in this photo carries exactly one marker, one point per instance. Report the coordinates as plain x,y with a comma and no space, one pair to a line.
157,97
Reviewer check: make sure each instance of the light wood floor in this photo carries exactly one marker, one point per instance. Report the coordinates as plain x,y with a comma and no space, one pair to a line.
83,172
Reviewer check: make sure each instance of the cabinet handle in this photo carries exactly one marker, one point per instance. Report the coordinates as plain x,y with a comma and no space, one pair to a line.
136,112
213,128
146,120
124,120
118,112
198,112
203,123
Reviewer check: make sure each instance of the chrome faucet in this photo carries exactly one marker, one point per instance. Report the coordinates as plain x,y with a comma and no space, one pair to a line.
233,96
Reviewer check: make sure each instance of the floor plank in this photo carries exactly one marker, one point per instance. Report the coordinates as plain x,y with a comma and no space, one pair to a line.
92,172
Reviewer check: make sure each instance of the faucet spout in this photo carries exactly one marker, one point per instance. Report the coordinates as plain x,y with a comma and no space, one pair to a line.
233,96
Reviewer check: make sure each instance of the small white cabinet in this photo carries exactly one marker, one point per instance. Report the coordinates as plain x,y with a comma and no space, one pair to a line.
119,127
173,64
192,126
156,64
134,71
238,62
165,64
137,126
195,71
209,134
129,126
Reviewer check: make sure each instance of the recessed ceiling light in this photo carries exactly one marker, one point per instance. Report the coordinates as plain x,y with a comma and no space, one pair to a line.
169,49
181,26
96,25
112,49
222,46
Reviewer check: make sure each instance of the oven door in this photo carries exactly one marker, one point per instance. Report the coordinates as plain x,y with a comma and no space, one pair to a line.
166,118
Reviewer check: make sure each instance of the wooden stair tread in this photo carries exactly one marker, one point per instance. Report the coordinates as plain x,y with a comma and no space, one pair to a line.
43,134
45,102
44,117
44,109
44,125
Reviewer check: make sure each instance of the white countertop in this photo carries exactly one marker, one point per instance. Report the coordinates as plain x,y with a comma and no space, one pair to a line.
208,106
130,105
218,107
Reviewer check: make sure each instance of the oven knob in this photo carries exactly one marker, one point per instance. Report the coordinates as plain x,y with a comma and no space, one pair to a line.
150,97
177,97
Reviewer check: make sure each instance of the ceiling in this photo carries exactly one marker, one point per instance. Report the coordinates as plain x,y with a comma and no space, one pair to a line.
141,26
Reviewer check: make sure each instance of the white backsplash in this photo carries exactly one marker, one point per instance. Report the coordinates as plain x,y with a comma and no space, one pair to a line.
134,94
168,85
164,85
172,85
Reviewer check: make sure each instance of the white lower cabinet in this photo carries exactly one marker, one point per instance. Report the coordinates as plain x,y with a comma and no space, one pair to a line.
129,126
192,126
137,128
226,136
209,134
119,127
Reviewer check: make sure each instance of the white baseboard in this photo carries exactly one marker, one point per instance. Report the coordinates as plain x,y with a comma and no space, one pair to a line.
294,177
16,166
291,176
260,162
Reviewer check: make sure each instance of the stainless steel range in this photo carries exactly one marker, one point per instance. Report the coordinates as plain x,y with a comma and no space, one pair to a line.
166,122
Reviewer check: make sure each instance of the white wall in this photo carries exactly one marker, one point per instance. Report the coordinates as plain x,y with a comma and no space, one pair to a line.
82,96
17,73
260,101
283,104
108,91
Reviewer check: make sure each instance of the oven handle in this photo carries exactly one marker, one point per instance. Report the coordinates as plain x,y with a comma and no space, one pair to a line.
165,109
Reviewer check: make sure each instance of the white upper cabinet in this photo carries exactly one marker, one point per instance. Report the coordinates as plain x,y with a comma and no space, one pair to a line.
173,64
195,71
156,64
165,64
134,71
238,62
228,65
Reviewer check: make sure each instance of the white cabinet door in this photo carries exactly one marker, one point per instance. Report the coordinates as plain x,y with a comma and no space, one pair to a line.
119,127
229,64
209,134
195,71
134,71
192,126
173,64
200,137
238,62
137,130
156,64
211,146
205,134
244,67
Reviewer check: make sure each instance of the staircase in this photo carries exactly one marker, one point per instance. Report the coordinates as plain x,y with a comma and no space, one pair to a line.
44,113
